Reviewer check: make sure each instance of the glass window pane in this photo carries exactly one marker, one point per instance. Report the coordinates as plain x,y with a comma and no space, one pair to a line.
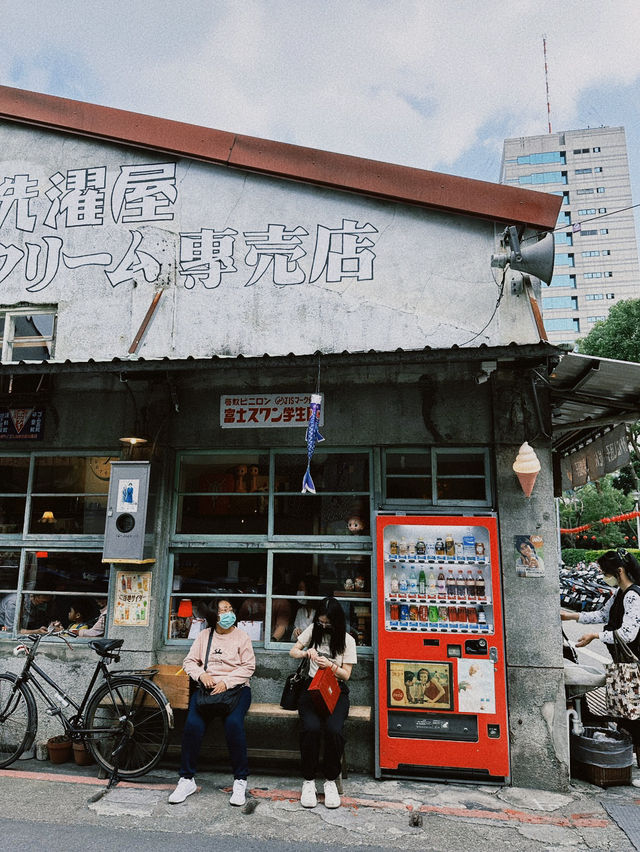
301,580
460,464
223,514
215,574
67,474
316,514
9,566
404,464
330,471
461,489
237,473
14,474
1,327
68,515
33,325
57,583
30,352
399,487
12,514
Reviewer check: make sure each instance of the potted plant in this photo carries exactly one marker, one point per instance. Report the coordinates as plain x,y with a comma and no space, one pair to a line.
81,754
59,749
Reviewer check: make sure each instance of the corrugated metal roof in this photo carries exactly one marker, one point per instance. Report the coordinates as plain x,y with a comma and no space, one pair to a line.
492,201
589,393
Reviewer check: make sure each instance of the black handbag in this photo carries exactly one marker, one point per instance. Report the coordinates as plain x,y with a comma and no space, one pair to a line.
221,703
294,685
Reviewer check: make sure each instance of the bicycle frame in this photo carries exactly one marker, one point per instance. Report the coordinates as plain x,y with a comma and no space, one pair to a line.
72,724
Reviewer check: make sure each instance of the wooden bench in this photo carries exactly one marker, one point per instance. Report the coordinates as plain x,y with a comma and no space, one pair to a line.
175,685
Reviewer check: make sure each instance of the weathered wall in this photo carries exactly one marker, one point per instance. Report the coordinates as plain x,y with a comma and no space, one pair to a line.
246,264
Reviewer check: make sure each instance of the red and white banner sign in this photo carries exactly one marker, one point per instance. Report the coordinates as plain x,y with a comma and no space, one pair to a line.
265,410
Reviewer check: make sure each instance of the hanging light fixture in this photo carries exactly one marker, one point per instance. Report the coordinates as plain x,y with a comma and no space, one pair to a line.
133,441
47,518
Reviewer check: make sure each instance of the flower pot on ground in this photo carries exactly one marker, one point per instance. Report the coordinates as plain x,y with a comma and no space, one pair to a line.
82,755
59,749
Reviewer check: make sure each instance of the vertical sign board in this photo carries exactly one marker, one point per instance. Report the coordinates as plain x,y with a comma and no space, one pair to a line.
126,511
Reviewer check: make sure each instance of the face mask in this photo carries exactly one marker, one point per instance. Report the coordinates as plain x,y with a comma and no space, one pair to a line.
326,628
301,597
610,581
227,620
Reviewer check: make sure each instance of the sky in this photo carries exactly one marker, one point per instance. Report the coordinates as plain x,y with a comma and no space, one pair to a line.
435,84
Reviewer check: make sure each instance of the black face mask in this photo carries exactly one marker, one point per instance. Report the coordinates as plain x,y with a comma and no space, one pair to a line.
326,628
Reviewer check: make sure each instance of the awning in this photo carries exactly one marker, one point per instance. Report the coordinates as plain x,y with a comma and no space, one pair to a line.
588,394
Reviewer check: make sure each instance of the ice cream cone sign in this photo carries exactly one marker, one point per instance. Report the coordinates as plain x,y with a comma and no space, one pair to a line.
527,467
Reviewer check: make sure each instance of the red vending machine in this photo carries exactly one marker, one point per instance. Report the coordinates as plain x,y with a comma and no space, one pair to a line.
442,703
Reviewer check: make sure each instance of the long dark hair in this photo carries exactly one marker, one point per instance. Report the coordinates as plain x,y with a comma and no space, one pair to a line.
612,560
337,638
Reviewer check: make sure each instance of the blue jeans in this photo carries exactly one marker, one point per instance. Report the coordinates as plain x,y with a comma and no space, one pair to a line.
194,731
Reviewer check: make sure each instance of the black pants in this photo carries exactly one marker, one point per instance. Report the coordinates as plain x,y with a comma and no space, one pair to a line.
632,727
312,728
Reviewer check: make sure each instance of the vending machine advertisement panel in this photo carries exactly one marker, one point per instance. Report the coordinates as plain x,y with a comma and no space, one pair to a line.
442,704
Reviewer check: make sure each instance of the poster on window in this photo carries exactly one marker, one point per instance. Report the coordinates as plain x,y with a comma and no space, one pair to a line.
128,494
476,686
133,593
265,410
529,555
420,684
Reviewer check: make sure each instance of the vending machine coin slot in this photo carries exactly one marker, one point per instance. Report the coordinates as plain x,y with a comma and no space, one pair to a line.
454,650
493,732
475,647
493,655
430,641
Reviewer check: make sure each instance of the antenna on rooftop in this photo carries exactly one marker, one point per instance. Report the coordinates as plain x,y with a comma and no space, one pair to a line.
546,80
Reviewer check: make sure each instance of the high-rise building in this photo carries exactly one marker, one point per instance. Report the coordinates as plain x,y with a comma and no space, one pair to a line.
596,263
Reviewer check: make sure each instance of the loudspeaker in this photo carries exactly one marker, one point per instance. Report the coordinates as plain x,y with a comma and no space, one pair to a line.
126,512
536,259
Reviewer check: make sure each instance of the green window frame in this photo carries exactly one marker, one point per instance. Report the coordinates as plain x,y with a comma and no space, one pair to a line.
462,472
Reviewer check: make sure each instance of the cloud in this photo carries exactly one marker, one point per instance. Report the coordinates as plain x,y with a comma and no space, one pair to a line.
420,83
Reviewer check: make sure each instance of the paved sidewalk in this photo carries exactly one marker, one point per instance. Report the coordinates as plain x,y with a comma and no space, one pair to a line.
375,814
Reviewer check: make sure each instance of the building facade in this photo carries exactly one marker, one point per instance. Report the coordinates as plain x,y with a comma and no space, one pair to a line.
596,263
193,288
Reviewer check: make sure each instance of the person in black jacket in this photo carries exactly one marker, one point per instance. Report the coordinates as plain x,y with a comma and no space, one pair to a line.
621,613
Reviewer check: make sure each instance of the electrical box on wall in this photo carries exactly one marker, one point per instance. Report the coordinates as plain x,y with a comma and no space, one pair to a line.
126,512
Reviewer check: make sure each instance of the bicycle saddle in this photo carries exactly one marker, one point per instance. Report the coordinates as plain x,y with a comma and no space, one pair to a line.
104,647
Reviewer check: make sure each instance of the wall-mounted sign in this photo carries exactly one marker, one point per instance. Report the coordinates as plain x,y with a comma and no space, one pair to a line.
133,593
25,424
265,410
605,454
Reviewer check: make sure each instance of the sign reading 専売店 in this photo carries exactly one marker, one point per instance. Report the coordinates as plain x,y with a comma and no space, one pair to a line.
251,411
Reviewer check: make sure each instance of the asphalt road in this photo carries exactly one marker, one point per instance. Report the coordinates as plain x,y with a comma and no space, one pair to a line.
50,837
595,653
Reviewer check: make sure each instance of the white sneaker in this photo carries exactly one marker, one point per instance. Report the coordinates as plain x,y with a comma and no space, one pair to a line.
331,795
186,786
636,782
308,798
238,797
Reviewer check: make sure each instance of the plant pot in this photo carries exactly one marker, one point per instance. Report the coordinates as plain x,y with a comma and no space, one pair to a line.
59,750
82,755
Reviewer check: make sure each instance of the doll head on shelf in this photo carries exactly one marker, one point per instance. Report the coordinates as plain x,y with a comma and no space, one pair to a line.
356,525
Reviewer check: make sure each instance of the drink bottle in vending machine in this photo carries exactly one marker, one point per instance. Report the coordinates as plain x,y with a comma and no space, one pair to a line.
441,687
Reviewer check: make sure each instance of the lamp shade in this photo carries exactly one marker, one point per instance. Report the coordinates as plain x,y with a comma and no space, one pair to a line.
185,608
47,518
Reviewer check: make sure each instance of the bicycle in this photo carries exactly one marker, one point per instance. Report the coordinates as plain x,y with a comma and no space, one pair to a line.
124,721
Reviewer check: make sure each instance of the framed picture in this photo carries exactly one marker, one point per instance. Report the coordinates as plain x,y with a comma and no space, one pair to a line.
419,685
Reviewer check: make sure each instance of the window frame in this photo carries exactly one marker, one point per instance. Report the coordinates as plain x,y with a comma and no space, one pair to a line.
7,339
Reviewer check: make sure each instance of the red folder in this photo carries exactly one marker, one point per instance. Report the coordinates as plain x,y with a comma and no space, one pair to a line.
325,691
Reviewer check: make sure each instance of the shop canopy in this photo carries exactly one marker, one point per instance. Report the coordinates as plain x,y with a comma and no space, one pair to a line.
589,394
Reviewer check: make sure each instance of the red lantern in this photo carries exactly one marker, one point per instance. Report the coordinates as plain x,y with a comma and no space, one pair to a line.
593,538
626,538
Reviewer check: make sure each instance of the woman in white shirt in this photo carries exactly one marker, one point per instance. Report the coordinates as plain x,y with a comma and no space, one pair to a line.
621,613
327,645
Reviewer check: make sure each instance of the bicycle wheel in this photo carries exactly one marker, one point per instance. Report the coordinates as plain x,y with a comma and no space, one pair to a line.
133,716
18,719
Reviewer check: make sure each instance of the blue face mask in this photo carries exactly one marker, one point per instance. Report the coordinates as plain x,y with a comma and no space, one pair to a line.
227,620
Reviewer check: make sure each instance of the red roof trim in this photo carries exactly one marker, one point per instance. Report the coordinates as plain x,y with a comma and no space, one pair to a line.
368,177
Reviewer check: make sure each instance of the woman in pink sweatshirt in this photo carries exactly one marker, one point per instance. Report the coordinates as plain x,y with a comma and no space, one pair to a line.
231,663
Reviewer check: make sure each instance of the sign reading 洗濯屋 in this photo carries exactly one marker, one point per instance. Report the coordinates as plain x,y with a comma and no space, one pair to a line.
246,264
605,454
250,411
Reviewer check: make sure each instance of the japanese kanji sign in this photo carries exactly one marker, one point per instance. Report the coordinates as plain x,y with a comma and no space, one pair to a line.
133,593
251,411
21,423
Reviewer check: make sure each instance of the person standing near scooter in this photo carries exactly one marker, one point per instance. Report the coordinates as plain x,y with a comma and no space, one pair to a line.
620,613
